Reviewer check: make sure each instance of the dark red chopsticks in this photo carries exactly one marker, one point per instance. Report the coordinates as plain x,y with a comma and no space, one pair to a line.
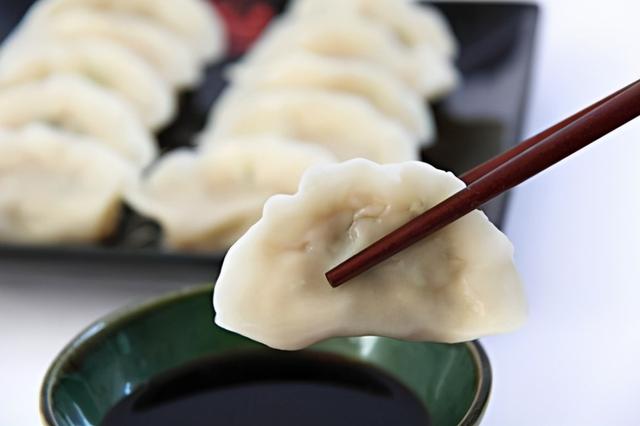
501,174
488,166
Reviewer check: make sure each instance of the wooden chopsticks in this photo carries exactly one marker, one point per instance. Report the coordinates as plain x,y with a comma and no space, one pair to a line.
500,174
486,167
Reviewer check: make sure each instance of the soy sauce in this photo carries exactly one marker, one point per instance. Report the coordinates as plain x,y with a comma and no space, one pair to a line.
271,388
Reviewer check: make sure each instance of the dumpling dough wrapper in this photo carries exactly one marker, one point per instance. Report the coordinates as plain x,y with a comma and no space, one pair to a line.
457,285
206,199
194,21
58,188
345,124
167,53
102,61
307,70
350,36
76,105
415,24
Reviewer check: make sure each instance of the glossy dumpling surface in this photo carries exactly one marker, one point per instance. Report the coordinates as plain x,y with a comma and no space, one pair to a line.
457,285
58,188
206,199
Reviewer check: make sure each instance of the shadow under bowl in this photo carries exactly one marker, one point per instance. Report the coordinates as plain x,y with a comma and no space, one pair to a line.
118,354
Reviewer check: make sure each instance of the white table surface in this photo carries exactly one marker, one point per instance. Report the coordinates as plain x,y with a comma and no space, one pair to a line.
576,230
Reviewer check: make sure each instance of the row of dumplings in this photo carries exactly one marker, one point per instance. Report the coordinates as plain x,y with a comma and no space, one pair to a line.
329,81
84,85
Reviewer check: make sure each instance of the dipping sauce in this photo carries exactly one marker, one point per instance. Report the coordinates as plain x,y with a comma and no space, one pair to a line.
271,388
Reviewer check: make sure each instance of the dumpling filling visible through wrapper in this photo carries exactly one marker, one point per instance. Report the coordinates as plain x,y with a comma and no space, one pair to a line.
456,285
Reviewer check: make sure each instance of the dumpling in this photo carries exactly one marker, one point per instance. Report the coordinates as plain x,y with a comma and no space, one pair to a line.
206,199
102,61
345,124
416,24
307,70
350,36
164,51
76,105
457,285
58,188
440,76
194,21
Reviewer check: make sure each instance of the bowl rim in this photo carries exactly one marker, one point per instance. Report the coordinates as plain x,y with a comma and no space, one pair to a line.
93,333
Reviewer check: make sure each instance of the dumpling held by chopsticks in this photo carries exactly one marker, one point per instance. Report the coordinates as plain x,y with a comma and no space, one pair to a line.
457,285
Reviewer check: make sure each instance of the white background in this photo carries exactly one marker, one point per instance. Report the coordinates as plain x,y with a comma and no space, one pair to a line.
576,230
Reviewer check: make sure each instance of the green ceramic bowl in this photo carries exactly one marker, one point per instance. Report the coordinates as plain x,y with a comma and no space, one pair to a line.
117,354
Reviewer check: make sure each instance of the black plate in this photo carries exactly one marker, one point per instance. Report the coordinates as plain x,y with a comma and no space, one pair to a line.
482,118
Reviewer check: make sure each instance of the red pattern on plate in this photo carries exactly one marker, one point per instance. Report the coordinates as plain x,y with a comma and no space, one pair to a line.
245,21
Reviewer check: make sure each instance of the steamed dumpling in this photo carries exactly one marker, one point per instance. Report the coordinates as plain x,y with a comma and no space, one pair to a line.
165,52
457,285
58,188
194,21
350,36
206,199
415,24
307,70
76,105
345,124
102,61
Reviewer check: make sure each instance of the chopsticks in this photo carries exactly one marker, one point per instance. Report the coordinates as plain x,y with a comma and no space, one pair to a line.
486,167
500,174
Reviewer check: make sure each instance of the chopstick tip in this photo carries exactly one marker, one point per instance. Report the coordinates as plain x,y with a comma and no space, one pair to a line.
334,278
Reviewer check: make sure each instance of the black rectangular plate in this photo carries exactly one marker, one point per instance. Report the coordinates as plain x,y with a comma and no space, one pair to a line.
482,118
